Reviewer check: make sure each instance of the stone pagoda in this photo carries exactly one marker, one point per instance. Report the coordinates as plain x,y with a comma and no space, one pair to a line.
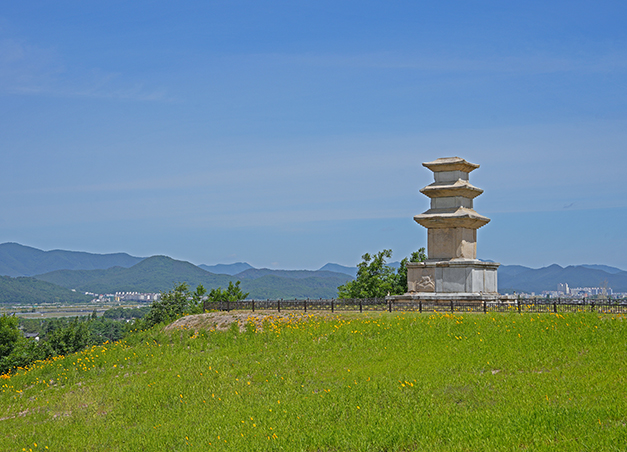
452,270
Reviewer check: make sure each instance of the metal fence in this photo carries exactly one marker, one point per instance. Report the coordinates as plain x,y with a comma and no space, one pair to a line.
555,305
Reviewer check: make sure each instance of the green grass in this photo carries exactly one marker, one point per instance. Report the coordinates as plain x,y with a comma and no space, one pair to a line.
378,382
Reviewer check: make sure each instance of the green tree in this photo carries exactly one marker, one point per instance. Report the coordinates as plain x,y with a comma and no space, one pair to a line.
199,295
9,334
377,279
15,349
173,304
70,339
232,293
24,353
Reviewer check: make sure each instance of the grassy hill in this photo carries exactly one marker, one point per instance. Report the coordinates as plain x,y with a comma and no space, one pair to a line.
375,382
20,260
26,290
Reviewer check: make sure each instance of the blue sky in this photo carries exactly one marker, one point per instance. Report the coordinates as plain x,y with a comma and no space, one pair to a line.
291,134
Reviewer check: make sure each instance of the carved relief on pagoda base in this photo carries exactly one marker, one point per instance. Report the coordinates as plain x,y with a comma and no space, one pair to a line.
421,279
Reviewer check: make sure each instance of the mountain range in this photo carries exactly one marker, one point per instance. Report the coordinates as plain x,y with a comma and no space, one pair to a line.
74,273
20,260
33,275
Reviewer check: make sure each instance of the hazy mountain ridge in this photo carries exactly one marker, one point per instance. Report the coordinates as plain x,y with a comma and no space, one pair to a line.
523,279
153,274
226,269
351,271
254,273
273,286
19,260
162,273
605,268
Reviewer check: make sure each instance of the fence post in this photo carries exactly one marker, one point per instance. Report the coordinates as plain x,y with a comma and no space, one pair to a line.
332,305
554,306
305,304
518,302
278,304
390,305
420,305
452,306
227,306
253,305
360,307
485,307
204,306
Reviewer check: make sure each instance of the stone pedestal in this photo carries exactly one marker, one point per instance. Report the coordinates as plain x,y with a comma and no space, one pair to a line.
452,276
452,270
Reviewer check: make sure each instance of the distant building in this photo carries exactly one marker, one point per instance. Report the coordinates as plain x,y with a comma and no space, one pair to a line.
563,287
136,296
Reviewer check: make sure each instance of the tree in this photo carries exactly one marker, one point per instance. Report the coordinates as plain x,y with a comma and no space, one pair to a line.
173,304
232,293
181,301
72,338
375,279
9,334
15,349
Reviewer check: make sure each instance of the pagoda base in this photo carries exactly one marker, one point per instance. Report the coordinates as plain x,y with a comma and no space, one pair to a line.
452,277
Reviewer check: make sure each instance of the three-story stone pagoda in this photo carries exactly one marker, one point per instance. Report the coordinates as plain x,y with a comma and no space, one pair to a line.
452,270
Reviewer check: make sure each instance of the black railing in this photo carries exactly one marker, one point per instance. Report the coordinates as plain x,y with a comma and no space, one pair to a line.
555,305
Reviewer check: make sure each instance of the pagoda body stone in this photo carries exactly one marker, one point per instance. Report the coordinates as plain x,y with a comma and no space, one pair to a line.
452,267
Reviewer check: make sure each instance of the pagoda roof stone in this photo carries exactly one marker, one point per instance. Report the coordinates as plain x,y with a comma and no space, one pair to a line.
451,164
459,217
458,188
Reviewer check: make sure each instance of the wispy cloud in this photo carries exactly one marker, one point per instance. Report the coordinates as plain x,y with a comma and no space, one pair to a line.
32,70
533,63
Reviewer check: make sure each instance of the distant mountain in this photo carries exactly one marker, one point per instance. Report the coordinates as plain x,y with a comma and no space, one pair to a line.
226,269
523,279
20,260
605,268
273,286
161,273
511,270
351,271
24,290
254,273
106,273
154,274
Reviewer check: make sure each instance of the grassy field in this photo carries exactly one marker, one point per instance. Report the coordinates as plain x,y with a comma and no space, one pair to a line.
371,382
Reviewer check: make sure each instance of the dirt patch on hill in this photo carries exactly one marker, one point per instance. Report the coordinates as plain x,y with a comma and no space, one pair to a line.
222,321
